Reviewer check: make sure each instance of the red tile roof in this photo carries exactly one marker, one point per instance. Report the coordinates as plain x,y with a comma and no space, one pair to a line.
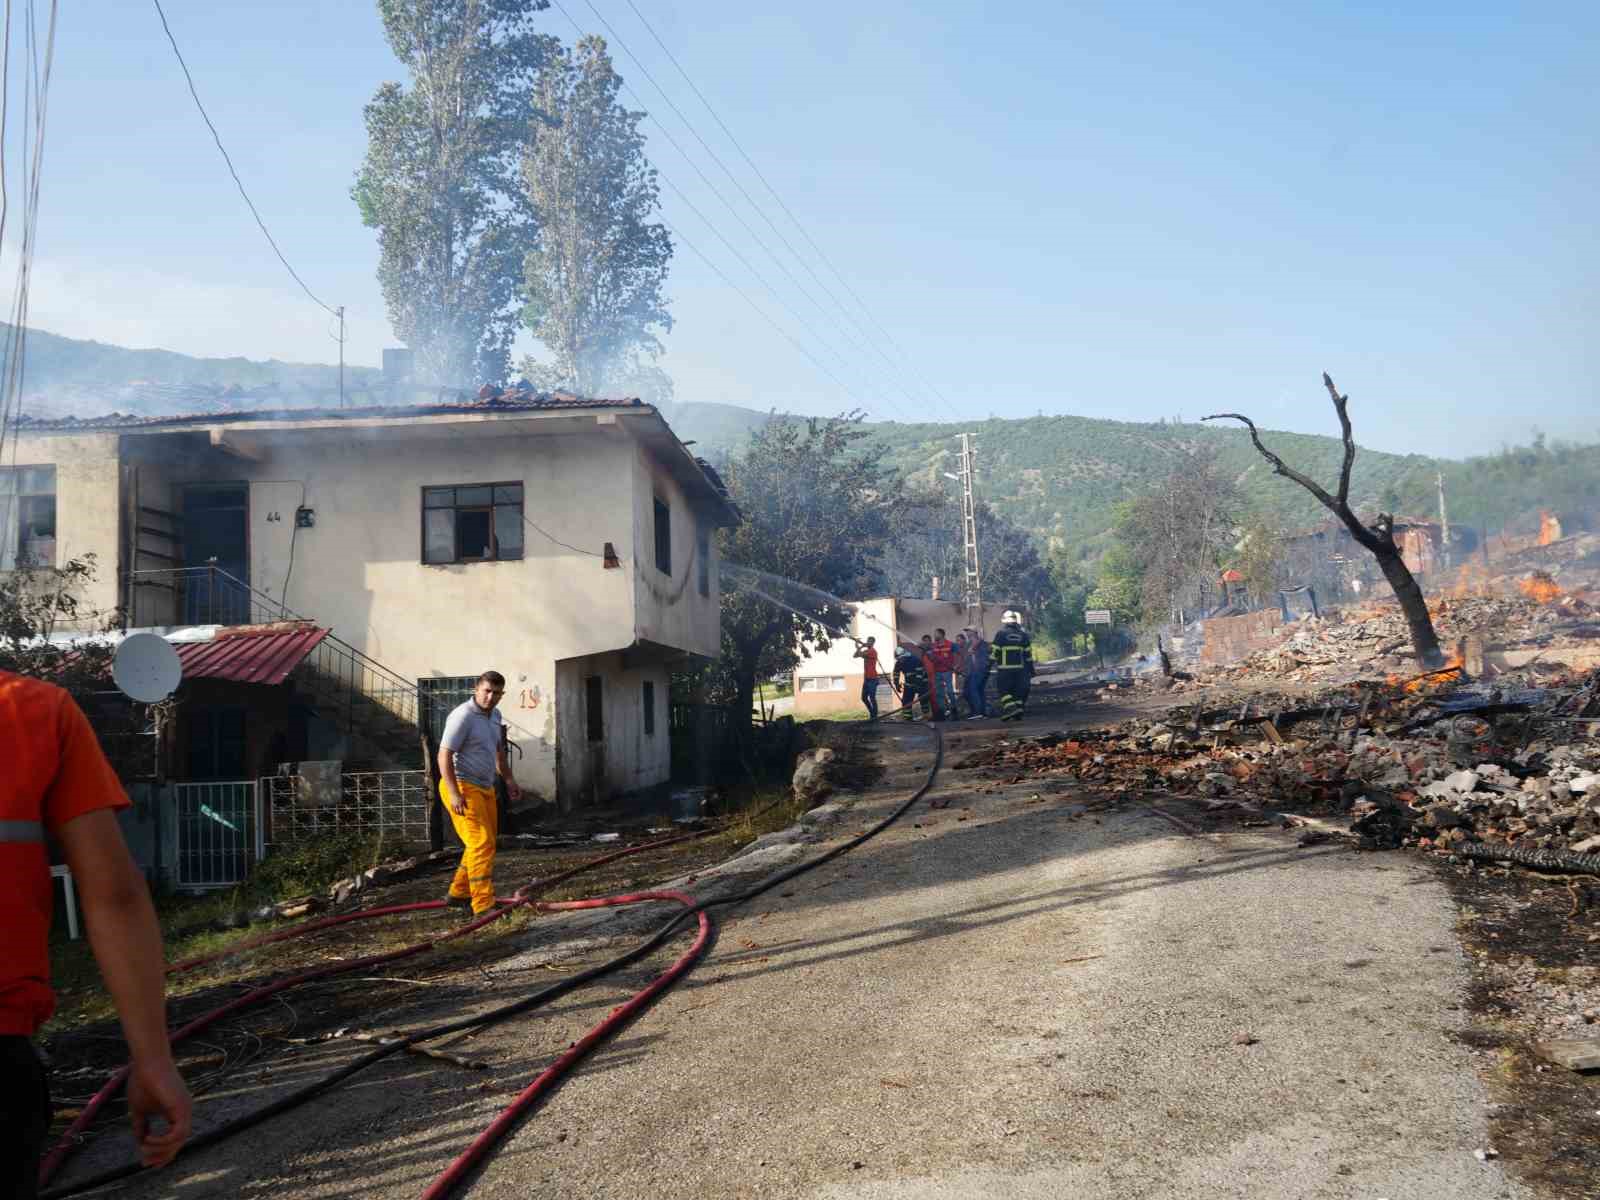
265,655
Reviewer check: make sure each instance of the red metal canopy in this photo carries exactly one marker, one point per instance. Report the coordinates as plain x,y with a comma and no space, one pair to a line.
265,655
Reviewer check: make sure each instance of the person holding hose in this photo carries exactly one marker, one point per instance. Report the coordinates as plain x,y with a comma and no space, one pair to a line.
1012,658
472,751
57,784
867,652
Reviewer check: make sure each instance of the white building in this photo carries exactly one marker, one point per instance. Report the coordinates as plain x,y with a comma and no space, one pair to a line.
564,542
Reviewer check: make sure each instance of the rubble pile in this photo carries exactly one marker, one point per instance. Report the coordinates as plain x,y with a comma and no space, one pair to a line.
1361,642
1435,766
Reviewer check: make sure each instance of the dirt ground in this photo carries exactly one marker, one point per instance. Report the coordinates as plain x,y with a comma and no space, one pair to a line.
1020,989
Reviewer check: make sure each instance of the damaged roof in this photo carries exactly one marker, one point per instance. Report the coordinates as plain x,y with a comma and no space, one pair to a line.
488,400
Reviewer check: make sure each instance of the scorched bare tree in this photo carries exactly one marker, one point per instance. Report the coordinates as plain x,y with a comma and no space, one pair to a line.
1378,538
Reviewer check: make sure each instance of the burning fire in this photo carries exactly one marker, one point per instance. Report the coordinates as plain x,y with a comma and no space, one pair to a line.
1539,586
1449,673
1549,527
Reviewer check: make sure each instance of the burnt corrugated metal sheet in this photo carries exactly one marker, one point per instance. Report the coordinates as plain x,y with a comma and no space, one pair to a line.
265,657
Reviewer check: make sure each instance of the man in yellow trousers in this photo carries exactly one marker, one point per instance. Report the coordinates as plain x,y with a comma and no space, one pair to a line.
471,753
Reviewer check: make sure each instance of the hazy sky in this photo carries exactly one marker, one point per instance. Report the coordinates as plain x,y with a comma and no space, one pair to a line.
1125,211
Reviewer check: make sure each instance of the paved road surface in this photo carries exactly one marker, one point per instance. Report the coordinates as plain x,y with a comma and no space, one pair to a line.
1027,1002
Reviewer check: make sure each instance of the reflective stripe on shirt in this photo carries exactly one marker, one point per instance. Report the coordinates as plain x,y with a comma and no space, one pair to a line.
21,831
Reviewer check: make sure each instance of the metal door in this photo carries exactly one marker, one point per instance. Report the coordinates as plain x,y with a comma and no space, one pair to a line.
216,833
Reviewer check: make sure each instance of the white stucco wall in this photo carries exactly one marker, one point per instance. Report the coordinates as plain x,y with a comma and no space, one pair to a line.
627,759
586,482
671,610
88,507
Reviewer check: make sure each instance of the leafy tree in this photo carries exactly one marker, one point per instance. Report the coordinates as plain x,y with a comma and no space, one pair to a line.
817,511
1178,532
1259,557
439,182
37,602
926,541
594,277
1062,616
1119,585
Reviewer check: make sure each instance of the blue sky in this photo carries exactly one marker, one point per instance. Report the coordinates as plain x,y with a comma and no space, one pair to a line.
1119,211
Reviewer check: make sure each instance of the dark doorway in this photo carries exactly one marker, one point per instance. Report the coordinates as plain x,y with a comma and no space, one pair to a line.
215,534
217,743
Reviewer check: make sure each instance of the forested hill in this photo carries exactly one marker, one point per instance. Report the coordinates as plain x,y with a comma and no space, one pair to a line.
1057,476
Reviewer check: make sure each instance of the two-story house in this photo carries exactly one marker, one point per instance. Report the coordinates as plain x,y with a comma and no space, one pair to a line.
565,542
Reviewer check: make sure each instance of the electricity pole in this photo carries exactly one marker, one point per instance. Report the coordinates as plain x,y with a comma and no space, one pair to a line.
972,590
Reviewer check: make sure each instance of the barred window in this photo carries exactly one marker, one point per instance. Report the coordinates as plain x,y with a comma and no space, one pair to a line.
478,522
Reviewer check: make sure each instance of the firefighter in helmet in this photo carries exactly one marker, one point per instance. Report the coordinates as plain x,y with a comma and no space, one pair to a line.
1012,655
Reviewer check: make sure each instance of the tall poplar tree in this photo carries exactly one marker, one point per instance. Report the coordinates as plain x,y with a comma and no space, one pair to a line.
595,275
440,180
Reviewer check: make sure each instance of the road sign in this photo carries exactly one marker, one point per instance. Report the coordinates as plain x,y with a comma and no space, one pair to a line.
1097,616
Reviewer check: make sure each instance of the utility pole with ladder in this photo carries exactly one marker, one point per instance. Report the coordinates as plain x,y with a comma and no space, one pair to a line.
972,590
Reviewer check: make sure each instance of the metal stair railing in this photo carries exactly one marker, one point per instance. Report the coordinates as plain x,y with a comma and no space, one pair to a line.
347,679
209,595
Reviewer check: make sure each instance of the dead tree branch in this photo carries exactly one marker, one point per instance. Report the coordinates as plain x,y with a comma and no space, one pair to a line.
1378,539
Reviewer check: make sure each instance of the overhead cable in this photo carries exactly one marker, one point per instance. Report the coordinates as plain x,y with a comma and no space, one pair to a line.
794,220
858,344
216,137
761,279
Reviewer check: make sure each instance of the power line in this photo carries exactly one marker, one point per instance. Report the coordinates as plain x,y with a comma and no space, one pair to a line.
845,283
850,337
732,249
216,137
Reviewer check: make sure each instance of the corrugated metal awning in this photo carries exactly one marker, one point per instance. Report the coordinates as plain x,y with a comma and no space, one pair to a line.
264,655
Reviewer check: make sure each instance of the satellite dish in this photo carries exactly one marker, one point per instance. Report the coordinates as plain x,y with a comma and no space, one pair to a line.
146,668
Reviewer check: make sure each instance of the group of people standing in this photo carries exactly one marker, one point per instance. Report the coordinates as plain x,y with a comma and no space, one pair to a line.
936,675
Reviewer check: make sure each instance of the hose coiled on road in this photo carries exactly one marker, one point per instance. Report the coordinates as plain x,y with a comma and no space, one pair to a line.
483,1145
1548,860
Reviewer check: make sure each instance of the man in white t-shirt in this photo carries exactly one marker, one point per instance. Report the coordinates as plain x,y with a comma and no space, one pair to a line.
472,752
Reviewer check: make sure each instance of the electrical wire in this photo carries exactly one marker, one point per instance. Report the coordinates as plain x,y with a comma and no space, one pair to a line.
860,344
239,183
849,336
794,220
723,238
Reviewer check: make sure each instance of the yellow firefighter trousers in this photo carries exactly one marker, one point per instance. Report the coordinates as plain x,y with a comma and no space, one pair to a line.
475,827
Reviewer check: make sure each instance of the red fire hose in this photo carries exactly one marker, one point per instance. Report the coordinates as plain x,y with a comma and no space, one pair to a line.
546,1079
64,1146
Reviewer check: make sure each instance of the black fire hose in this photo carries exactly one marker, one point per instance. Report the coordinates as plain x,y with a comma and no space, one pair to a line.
1548,860
526,1004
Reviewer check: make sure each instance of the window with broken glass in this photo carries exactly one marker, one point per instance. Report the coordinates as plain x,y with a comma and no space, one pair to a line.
477,522
27,517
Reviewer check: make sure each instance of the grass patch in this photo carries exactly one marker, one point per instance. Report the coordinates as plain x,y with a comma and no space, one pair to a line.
188,923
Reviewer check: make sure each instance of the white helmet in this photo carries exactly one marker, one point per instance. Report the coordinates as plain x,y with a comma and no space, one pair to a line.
1011,617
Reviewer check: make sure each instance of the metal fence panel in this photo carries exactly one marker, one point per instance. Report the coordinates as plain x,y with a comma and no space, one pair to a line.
393,804
216,833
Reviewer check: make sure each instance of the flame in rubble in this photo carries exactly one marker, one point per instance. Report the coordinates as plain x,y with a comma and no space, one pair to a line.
1539,586
1449,673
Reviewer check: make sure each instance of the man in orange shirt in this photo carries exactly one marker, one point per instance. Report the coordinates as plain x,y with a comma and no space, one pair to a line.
867,652
57,782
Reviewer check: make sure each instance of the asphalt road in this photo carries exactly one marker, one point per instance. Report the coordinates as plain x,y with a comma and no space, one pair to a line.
1006,997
